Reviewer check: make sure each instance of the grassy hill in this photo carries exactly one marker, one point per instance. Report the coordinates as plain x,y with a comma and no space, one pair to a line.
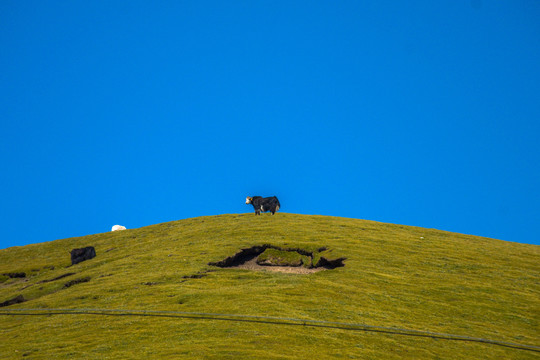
394,277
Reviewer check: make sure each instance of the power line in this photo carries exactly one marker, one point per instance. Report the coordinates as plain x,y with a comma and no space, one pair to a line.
265,320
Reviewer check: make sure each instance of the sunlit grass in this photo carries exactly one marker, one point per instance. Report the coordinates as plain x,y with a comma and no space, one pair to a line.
394,276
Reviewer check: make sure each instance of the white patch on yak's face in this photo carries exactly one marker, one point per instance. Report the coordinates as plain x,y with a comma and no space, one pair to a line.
248,200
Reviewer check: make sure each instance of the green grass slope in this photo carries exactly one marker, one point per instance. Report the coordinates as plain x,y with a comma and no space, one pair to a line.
394,277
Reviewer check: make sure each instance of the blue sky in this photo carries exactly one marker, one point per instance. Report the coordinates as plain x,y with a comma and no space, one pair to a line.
421,113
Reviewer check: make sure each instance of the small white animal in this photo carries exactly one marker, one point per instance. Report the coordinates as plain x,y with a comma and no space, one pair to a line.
118,227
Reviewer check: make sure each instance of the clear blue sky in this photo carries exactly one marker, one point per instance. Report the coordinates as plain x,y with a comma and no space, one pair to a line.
423,113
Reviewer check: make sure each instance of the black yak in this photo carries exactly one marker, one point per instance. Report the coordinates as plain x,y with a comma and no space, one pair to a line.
263,204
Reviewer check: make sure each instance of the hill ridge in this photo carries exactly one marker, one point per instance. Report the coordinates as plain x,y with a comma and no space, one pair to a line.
394,276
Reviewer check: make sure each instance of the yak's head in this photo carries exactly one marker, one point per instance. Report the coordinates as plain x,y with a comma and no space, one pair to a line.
248,200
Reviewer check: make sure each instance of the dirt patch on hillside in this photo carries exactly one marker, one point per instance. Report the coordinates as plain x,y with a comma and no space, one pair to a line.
285,260
252,265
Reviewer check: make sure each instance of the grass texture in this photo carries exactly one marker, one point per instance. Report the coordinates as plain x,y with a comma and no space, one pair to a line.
394,276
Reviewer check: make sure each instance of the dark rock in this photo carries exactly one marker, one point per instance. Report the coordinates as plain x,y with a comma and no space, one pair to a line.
16,300
79,255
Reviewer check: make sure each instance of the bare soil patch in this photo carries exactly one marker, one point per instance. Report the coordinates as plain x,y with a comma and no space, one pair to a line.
252,265
285,260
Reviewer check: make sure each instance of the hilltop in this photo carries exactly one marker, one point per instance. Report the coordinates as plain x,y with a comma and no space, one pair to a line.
379,275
